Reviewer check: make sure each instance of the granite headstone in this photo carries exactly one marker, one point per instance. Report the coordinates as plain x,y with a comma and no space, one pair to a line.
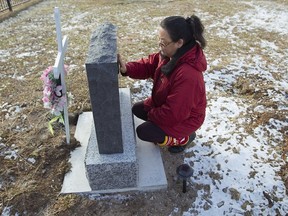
102,73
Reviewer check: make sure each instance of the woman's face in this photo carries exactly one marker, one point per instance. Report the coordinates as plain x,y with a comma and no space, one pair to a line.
167,46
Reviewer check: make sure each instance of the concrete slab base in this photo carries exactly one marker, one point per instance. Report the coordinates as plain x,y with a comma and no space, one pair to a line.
151,173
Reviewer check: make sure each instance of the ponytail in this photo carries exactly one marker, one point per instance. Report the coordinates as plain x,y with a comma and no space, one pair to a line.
197,29
189,29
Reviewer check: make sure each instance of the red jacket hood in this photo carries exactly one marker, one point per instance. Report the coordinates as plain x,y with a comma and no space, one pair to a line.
195,57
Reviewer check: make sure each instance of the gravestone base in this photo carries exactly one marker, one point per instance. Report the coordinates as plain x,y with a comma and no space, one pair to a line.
150,173
118,170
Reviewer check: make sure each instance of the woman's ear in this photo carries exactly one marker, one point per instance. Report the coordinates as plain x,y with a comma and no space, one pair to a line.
179,43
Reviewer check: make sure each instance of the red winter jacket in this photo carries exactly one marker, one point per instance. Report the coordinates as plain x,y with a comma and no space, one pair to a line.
178,101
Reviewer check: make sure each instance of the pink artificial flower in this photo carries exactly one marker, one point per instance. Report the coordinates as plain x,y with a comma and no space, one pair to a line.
45,99
43,77
48,70
47,91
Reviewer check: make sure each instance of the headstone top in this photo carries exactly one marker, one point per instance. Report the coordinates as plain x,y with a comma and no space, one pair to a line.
103,46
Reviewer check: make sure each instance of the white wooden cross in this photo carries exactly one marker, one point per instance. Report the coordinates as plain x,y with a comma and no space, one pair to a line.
58,68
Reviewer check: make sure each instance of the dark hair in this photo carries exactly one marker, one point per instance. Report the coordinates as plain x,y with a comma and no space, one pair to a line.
187,29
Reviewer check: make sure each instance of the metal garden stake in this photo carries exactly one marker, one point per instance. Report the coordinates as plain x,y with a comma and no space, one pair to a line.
184,172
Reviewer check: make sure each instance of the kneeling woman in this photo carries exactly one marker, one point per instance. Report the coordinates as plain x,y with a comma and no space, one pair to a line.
176,108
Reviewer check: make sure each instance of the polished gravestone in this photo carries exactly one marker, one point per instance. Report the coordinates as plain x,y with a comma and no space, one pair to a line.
102,74
111,155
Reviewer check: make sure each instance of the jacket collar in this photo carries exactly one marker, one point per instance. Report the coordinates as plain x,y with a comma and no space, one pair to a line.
168,68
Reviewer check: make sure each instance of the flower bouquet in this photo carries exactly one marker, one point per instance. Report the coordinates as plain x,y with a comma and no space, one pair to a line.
53,97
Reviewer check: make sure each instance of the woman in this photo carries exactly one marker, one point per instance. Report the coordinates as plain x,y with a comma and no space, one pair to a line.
176,108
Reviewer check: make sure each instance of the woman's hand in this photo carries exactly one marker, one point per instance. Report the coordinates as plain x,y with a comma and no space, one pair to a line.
122,66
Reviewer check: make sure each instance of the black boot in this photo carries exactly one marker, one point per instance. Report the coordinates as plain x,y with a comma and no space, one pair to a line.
178,149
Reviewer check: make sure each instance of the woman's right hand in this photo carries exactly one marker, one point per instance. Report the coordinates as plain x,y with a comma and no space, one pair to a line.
122,65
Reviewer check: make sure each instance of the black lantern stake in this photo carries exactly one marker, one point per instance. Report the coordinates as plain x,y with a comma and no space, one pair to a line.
184,172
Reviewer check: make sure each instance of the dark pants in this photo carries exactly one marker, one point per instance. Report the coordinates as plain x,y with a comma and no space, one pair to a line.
147,131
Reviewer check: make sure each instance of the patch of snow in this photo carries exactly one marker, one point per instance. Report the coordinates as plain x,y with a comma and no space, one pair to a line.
145,86
248,164
25,54
14,76
268,45
11,154
6,211
11,111
175,210
261,108
31,160
79,17
270,16
4,54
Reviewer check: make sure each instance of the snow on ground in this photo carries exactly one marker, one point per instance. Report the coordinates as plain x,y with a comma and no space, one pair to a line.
245,165
239,168
242,162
